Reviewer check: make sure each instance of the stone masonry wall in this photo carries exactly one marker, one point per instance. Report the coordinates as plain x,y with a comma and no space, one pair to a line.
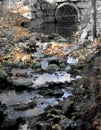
98,15
43,11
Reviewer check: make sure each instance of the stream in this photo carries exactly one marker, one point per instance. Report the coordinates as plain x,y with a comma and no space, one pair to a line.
43,91
63,29
45,88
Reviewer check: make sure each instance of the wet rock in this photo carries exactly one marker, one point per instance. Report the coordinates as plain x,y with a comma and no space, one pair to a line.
46,121
23,65
53,61
75,72
72,61
66,124
62,65
32,103
8,124
37,65
3,74
6,64
3,80
4,106
44,64
53,118
50,93
51,37
34,121
45,39
1,117
22,107
54,78
52,67
56,94
46,45
21,72
23,39
42,38
9,34
31,47
2,44
42,126
12,124
47,55
56,36
55,110
22,83
36,36
86,42
15,64
68,68
67,107
62,61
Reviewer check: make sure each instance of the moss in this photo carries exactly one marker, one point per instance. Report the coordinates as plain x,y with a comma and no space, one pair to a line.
37,65
52,67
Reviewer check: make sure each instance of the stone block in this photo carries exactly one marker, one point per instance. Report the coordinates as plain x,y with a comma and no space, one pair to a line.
47,6
47,19
74,0
49,12
84,4
33,8
98,4
98,16
33,15
41,1
34,23
38,6
57,0
39,14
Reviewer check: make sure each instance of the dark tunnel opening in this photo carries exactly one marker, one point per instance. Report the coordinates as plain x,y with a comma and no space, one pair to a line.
66,13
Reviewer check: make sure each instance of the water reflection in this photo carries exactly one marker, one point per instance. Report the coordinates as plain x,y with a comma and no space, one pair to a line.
64,29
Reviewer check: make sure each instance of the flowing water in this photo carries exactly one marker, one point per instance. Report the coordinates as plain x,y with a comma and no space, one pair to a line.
17,102
47,89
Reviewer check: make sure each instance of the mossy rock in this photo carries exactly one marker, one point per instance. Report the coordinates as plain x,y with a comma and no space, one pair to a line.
68,68
62,65
3,74
6,63
63,61
46,55
37,65
15,64
23,65
52,67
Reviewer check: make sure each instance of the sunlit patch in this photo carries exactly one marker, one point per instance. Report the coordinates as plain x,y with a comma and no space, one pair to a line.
18,56
20,32
58,49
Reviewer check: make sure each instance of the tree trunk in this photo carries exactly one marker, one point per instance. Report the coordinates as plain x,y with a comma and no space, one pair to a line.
94,19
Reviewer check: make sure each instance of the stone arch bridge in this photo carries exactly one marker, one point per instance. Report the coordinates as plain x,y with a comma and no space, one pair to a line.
47,11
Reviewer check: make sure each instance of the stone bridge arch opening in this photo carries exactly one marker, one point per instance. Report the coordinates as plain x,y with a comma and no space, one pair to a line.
67,12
